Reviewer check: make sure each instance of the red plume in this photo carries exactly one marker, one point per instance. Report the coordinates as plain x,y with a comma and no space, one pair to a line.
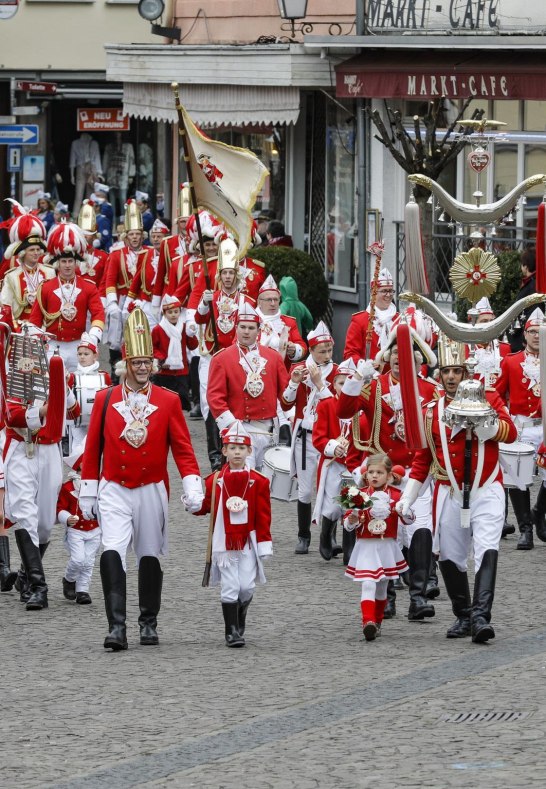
541,249
56,401
411,402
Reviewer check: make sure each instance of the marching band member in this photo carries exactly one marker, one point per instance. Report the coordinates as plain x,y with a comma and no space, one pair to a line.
63,303
82,537
241,520
384,313
93,265
309,383
444,458
489,355
88,379
171,346
519,386
245,382
175,246
142,284
133,425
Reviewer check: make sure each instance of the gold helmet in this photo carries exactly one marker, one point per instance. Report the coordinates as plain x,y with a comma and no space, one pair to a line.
451,353
227,255
86,218
184,202
133,217
137,336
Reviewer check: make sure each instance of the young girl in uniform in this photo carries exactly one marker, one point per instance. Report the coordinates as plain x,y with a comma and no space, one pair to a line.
376,556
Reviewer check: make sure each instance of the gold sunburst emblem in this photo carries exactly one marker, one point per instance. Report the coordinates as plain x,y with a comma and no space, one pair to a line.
475,274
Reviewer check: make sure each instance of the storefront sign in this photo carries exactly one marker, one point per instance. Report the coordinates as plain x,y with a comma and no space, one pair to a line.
47,88
96,120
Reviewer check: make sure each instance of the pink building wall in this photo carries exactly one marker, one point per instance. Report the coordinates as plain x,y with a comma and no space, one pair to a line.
245,21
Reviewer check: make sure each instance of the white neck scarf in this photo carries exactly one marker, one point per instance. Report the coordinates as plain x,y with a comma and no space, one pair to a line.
92,368
382,323
174,333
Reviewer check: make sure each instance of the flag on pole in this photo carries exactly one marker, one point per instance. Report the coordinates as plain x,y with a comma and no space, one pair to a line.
226,181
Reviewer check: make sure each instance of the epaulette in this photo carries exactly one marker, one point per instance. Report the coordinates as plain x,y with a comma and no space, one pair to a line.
366,391
219,351
359,313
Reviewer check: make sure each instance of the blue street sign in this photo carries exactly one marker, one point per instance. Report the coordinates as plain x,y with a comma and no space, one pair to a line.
25,134
15,159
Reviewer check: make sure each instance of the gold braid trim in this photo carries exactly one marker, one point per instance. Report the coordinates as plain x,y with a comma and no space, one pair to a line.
124,271
437,471
49,317
143,276
372,445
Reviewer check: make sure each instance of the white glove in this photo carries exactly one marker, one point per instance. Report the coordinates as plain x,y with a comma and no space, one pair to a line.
192,503
483,433
191,328
193,496
365,370
113,308
357,476
207,296
411,492
88,506
381,507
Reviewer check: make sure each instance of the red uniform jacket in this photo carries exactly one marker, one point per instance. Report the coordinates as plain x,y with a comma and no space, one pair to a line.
161,342
46,309
226,335
259,505
171,247
362,531
293,336
355,342
142,284
94,269
327,429
227,379
6,265
254,277
374,401
120,270
16,420
68,503
513,386
183,276
131,467
507,433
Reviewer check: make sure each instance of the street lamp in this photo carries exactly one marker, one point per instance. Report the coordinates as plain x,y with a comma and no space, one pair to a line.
292,9
152,10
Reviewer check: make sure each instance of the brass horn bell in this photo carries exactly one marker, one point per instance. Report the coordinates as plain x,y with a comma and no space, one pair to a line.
469,408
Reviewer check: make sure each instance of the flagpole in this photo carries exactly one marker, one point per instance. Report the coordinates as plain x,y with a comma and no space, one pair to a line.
183,134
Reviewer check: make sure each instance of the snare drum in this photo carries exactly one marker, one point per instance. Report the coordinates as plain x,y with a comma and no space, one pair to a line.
85,389
276,468
518,464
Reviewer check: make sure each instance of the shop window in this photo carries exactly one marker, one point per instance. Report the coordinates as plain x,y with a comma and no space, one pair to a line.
340,224
509,112
506,170
535,116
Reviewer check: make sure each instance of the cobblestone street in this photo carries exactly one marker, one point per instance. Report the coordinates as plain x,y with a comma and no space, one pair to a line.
307,703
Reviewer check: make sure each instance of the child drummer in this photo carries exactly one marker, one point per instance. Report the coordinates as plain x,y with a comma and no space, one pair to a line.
89,379
241,519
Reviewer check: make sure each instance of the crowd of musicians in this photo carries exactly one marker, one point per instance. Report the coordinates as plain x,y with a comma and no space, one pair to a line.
205,334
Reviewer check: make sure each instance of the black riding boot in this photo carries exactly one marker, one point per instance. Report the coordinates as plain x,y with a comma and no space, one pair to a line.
433,590
304,527
419,555
508,528
539,513
195,411
214,445
484,591
21,584
150,581
326,538
456,582
32,562
390,607
521,502
7,577
348,540
336,548
114,587
231,620
243,608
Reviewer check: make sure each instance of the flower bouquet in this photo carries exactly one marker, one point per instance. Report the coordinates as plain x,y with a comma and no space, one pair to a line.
352,498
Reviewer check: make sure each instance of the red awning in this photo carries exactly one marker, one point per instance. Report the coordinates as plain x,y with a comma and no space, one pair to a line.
455,75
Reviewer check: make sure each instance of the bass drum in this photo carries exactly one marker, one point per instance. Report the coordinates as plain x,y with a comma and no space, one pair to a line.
276,468
85,389
517,461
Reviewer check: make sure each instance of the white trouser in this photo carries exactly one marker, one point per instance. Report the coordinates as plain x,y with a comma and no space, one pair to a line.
76,436
332,485
486,522
238,576
32,488
306,477
133,516
204,364
261,437
150,313
422,507
530,434
82,547
282,418
68,351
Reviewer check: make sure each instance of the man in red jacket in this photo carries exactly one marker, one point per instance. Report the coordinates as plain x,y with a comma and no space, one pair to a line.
132,427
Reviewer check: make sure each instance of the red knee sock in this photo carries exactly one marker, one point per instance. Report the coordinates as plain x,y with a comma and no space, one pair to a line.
368,610
379,610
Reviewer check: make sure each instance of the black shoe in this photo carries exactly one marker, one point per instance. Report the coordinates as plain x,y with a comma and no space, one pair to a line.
114,586
348,539
370,631
150,582
303,546
69,589
7,577
539,514
508,529
482,603
460,628
231,621
525,542
195,412
32,562
399,584
285,436
419,560
243,608
325,542
390,607
21,584
432,590
83,598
